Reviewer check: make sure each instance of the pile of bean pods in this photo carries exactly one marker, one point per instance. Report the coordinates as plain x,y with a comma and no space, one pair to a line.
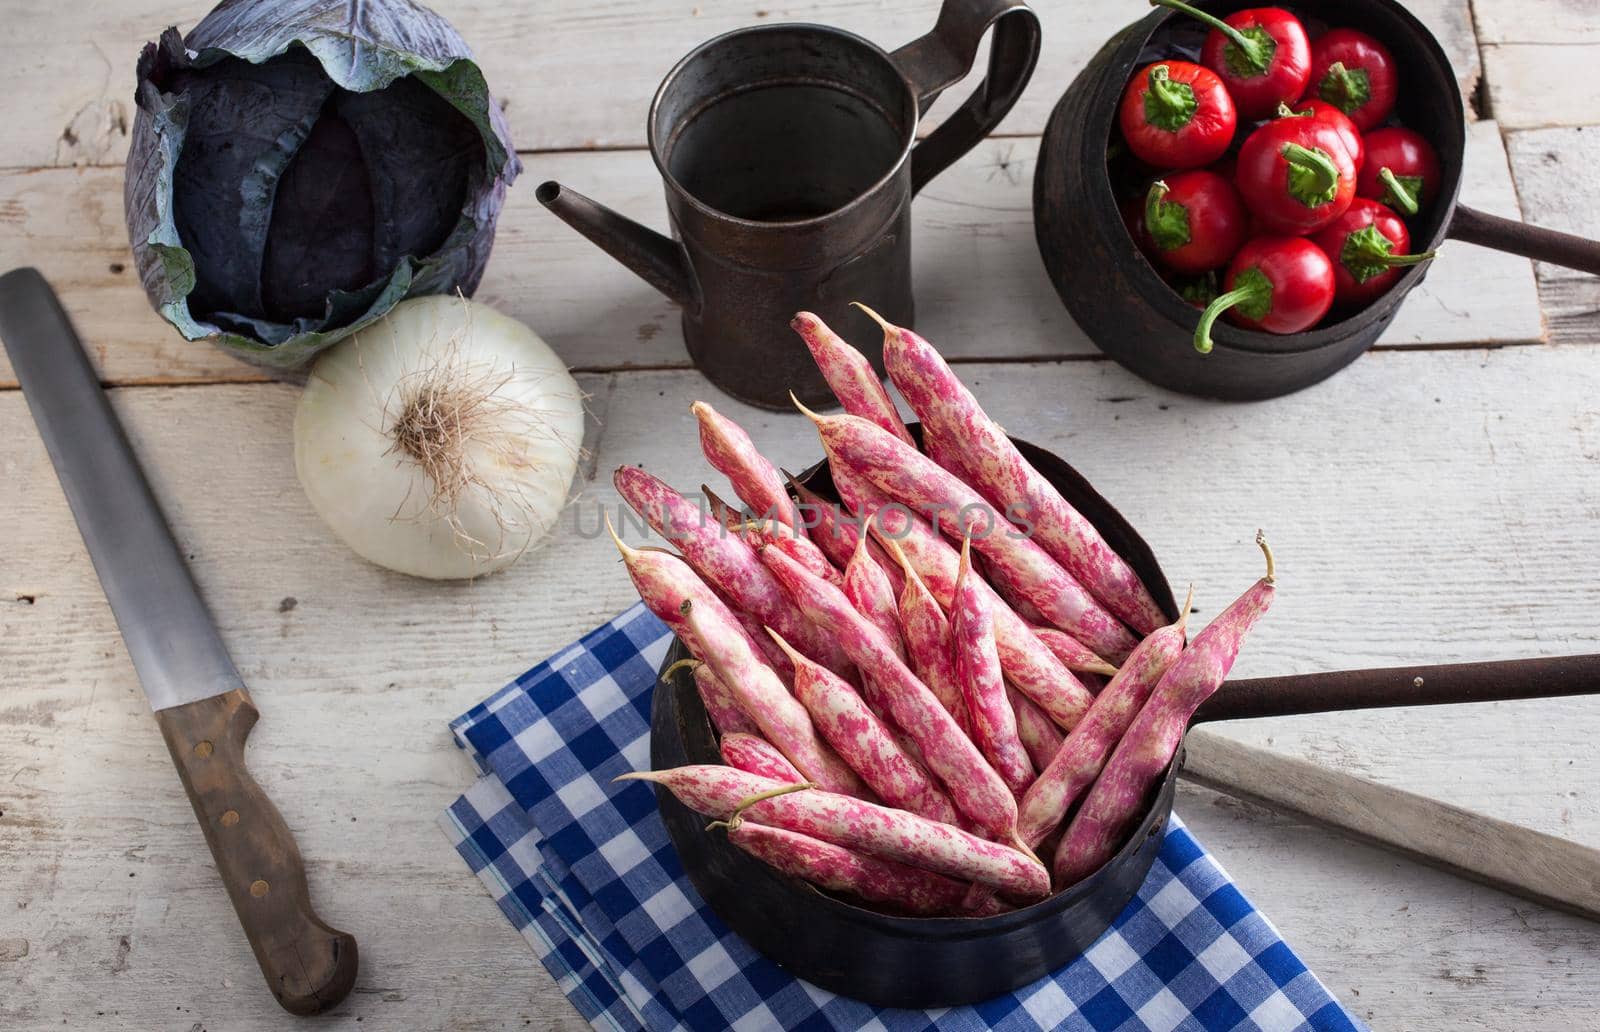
908,686
1276,163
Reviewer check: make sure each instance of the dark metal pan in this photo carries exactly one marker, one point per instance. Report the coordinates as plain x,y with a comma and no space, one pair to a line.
1131,314
893,961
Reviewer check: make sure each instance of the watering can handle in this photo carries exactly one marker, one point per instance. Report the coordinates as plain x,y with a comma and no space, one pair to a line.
1549,678
1546,245
944,57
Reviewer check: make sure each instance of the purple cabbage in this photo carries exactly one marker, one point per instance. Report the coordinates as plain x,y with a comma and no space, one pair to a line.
299,168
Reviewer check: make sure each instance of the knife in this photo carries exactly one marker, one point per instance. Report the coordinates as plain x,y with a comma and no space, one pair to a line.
199,700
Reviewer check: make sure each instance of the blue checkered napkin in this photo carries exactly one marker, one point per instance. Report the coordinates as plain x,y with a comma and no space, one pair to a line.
583,868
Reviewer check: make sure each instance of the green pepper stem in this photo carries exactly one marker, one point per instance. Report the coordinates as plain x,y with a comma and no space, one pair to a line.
1402,260
1208,318
1285,111
1404,199
1167,223
1323,173
1169,105
1252,50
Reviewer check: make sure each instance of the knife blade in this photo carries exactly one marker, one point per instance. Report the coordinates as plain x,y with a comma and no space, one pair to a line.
200,701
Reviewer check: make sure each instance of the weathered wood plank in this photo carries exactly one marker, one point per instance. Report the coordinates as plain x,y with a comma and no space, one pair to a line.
1541,84
1472,542
1551,166
573,75
1556,872
1537,54
982,292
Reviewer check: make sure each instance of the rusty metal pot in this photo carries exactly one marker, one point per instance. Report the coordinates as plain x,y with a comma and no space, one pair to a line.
1121,301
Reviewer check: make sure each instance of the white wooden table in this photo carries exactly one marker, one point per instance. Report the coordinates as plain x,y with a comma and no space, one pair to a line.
1437,501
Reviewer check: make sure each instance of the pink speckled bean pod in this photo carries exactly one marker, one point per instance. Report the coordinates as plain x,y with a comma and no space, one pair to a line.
974,786
664,582
725,714
718,792
754,479
1027,663
907,475
760,533
837,532
863,741
1079,761
1073,654
868,589
1038,732
1019,605
984,456
838,869
758,691
726,561
1114,803
855,383
977,661
927,634
755,755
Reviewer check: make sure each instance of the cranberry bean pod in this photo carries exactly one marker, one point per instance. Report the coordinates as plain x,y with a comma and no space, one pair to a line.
977,662
754,479
836,531
1072,652
758,691
1027,663
1113,804
718,792
908,476
863,741
1038,732
1079,761
838,869
723,559
868,589
927,634
972,783
755,755
664,582
855,383
952,417
725,714
801,550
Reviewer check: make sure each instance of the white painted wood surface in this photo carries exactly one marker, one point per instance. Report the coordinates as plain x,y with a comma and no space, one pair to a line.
977,216
574,76
1429,504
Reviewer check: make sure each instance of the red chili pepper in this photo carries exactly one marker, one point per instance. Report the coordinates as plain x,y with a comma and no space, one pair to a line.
1347,130
1195,220
1369,246
1177,115
1402,170
1276,283
1296,175
1356,74
1261,54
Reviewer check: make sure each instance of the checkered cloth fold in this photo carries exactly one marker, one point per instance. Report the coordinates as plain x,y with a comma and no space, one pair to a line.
584,869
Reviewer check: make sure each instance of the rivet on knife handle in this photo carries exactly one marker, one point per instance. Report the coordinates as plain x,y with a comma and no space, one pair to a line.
308,965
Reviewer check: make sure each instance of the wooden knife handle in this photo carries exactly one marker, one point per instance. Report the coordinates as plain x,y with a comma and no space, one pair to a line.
308,965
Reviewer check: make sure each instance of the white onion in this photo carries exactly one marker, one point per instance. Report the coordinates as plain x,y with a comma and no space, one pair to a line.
441,440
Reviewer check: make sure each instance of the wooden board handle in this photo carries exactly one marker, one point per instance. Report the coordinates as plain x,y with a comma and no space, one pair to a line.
309,966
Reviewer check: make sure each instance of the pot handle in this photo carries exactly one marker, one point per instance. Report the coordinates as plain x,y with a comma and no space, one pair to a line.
1546,245
944,57
1506,680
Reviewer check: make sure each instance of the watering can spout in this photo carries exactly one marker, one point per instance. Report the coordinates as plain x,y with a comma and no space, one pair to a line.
658,260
